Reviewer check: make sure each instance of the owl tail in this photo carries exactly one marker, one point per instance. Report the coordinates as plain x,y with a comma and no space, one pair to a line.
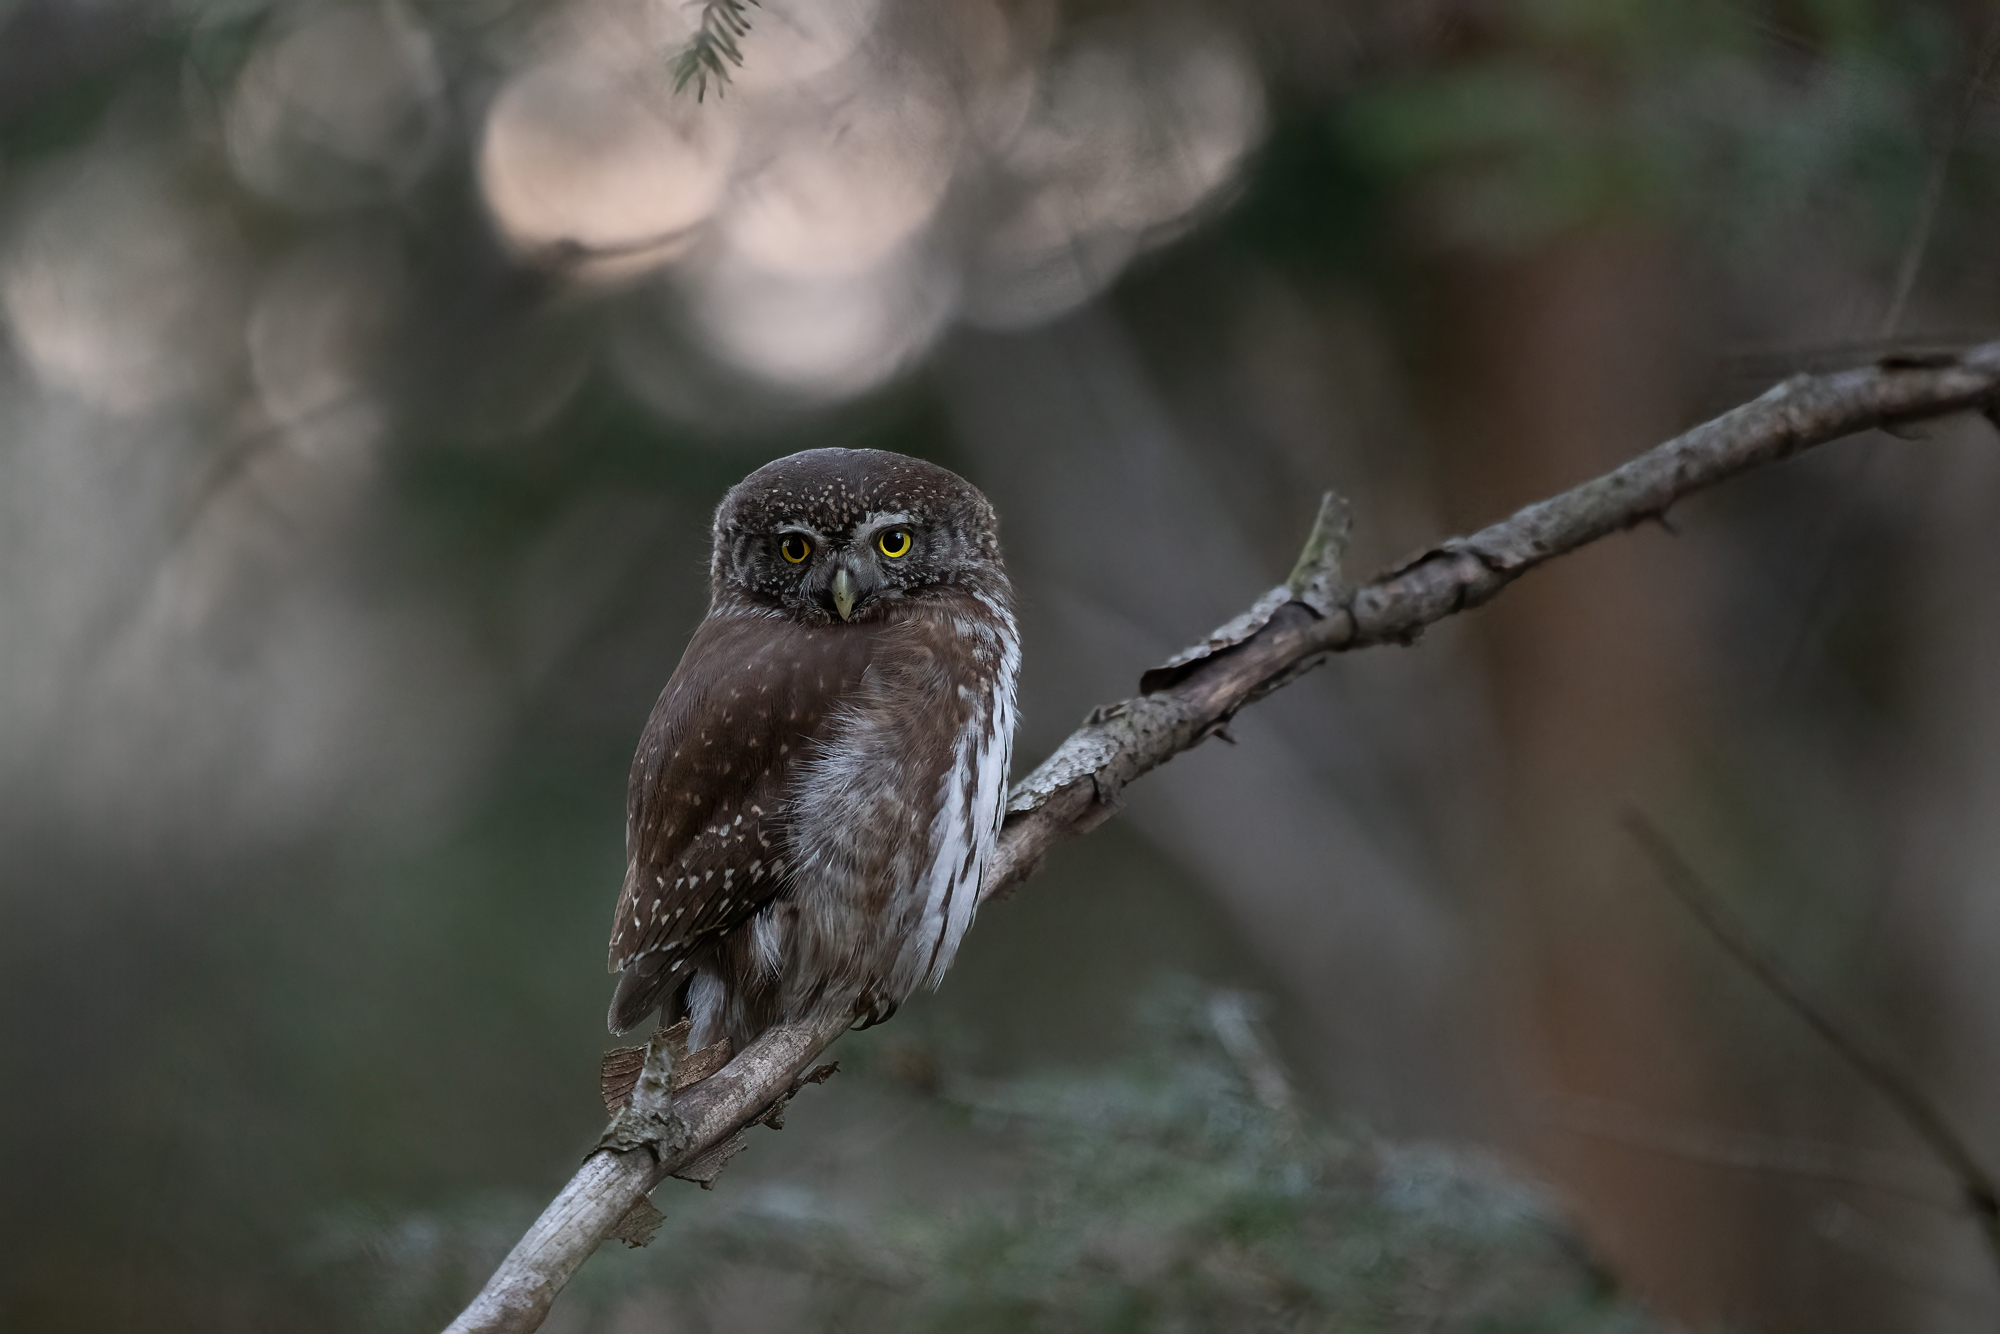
643,988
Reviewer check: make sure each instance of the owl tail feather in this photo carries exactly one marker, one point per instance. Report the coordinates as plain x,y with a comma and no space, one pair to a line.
642,989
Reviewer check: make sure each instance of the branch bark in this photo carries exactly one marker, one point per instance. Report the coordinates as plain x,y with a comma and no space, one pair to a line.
1292,629
612,1181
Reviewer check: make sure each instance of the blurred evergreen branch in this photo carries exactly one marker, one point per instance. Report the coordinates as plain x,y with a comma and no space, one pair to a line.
1173,1194
1169,1192
1605,112
713,48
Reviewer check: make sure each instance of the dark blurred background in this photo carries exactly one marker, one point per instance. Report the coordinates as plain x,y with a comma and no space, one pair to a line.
369,372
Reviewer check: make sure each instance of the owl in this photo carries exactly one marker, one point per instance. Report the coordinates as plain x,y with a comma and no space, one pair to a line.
822,780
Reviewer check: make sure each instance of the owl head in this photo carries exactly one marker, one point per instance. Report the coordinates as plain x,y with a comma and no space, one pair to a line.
839,535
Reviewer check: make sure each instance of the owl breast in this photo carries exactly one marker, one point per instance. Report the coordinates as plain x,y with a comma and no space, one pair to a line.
895,813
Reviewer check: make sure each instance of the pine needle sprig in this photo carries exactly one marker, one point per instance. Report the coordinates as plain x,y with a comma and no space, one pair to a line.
713,48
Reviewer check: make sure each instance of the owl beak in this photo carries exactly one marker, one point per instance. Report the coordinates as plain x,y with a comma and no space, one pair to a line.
845,591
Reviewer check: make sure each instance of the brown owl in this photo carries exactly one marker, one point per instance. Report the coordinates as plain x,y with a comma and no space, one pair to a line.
822,780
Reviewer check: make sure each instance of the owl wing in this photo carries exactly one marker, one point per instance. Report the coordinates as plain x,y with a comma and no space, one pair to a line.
705,833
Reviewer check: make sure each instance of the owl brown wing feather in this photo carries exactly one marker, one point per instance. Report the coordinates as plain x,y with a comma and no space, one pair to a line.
705,835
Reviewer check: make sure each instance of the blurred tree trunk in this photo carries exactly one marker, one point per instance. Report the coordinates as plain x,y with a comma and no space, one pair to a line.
1125,562
1595,672
1942,906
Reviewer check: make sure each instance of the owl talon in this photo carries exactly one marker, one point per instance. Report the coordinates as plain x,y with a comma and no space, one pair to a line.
875,1012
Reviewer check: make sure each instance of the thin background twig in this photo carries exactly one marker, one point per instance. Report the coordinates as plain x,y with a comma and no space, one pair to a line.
1922,229
1875,1067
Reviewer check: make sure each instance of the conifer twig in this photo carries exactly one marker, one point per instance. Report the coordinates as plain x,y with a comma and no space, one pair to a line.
714,47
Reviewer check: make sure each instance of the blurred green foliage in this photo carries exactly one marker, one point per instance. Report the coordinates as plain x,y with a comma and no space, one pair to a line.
1722,119
1164,1192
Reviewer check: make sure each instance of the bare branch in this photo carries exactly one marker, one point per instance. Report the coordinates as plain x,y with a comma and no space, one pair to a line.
1875,1068
1292,629
612,1181
1078,786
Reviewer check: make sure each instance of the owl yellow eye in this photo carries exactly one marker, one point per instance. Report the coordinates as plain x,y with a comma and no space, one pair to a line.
894,544
795,548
